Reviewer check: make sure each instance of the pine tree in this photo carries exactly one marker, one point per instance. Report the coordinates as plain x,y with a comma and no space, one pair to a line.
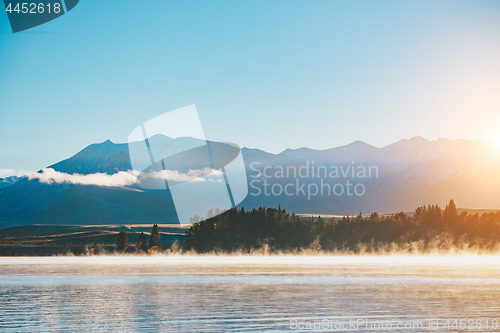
333,221
450,214
155,238
122,241
451,210
142,243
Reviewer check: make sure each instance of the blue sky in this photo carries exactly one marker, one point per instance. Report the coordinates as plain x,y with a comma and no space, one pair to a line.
266,74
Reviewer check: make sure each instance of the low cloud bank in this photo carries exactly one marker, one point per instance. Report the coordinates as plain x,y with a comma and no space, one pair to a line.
50,176
121,178
191,175
4,173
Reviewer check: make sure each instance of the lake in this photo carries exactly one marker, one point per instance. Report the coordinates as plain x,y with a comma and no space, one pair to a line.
251,293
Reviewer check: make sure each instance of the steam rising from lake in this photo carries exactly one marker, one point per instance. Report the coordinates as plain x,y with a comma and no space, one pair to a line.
200,265
237,293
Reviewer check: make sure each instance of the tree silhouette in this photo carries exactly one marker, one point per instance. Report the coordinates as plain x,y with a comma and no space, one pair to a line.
246,230
450,215
155,238
122,241
142,243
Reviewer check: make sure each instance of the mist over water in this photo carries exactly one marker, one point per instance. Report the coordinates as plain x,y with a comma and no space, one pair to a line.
188,293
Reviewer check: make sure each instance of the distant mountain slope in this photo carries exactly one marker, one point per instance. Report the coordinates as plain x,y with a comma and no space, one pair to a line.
417,171
409,173
356,151
21,201
4,182
106,157
93,205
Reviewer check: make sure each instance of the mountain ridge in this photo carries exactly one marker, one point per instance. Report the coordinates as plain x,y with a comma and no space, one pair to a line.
410,173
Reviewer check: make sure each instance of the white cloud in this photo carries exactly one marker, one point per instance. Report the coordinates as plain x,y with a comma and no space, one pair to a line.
191,175
50,176
13,172
121,178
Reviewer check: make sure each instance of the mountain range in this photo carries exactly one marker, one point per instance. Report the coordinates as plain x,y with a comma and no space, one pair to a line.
398,177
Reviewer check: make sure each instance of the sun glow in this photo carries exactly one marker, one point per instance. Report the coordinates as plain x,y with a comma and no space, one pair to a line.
496,139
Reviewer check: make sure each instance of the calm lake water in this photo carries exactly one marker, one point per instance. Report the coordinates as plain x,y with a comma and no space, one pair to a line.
251,293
